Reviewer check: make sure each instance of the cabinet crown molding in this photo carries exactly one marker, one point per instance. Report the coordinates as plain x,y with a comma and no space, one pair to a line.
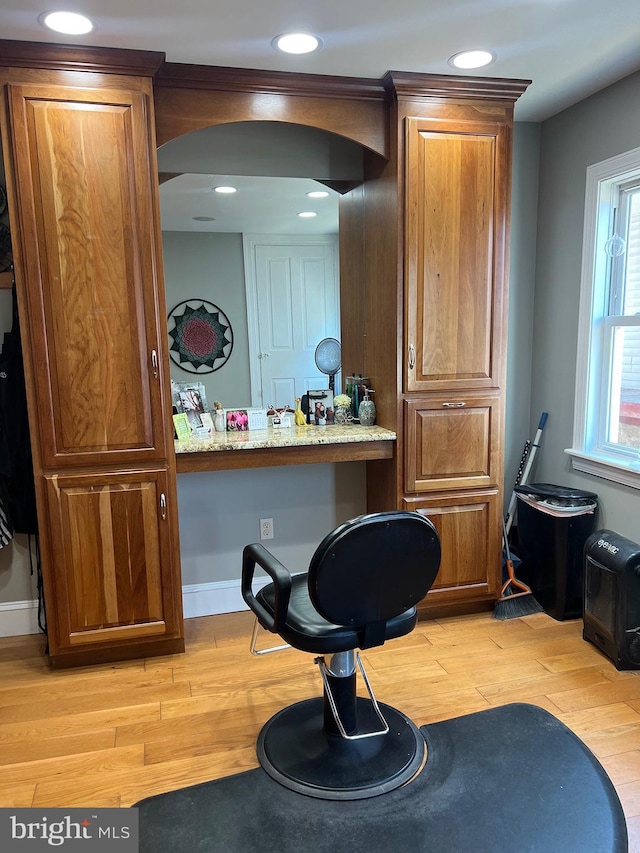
408,84
75,57
175,74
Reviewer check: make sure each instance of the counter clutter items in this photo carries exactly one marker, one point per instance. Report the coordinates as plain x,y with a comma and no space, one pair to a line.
242,420
342,406
297,436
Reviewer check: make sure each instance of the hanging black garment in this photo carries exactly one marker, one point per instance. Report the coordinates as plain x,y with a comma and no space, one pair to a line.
16,466
6,523
17,489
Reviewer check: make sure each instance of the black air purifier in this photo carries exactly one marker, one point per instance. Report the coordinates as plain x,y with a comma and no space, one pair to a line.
612,597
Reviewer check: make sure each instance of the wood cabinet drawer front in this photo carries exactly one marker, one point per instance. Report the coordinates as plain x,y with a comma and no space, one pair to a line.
112,580
452,443
90,257
471,557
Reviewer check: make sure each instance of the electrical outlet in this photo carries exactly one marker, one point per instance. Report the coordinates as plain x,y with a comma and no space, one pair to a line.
266,528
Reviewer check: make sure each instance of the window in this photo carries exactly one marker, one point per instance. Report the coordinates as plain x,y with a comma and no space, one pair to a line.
606,439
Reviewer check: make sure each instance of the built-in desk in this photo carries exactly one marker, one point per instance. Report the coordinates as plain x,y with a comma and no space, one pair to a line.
292,446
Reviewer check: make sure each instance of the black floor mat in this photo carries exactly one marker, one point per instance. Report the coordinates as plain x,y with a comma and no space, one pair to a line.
508,779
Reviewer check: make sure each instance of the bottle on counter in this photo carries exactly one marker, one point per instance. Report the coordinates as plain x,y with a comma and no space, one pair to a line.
367,409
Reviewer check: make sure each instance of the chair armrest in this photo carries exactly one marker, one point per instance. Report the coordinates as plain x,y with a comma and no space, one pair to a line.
257,554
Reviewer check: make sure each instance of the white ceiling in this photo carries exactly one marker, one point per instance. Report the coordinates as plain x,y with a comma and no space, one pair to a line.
260,206
568,48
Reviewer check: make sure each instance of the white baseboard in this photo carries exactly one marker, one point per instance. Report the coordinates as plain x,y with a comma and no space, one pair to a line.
208,599
18,618
201,599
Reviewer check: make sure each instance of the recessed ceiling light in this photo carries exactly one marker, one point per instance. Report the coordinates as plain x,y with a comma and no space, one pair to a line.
307,214
69,23
472,59
225,190
297,43
318,194
204,218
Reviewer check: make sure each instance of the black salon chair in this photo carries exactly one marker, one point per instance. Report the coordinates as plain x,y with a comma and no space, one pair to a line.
361,589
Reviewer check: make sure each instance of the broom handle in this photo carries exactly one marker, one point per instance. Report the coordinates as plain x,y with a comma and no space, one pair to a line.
527,470
512,502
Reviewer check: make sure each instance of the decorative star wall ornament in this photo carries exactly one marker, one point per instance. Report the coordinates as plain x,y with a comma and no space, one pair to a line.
200,336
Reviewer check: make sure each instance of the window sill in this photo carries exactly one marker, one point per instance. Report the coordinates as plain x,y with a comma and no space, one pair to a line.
626,473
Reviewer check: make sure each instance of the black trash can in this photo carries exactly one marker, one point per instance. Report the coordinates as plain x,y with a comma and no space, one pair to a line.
554,523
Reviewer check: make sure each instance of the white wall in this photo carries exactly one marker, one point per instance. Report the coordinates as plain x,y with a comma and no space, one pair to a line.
599,127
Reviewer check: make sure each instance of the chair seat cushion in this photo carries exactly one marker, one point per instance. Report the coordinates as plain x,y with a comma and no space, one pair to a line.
306,630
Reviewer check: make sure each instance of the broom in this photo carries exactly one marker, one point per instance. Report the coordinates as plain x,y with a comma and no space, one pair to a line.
516,598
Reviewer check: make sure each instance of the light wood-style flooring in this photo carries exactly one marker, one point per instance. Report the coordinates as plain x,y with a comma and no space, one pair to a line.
110,735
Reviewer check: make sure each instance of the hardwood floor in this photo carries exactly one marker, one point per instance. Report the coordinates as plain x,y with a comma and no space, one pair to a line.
110,735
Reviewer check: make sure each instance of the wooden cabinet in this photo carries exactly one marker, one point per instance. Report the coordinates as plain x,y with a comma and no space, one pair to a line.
456,198
84,211
451,159
424,254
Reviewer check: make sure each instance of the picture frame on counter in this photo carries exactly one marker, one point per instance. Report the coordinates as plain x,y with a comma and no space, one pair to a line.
242,420
190,399
319,407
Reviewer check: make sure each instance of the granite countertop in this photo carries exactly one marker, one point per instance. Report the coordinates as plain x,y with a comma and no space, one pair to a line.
295,436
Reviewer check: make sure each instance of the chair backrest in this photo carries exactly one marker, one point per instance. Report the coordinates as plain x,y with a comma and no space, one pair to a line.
374,567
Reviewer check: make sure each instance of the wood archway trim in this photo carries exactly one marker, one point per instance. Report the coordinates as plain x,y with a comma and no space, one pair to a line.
192,97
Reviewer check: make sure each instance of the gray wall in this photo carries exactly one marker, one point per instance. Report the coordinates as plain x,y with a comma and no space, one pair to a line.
211,267
599,127
524,207
220,513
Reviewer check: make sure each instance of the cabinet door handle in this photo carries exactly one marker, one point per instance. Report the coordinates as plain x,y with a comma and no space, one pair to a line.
412,356
163,506
154,363
458,404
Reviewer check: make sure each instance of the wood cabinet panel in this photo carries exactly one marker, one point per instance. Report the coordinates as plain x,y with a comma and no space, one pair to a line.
454,253
453,442
83,178
471,556
82,186
112,576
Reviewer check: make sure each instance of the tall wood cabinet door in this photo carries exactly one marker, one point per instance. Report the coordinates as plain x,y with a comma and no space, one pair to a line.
471,566
456,197
88,224
453,442
113,581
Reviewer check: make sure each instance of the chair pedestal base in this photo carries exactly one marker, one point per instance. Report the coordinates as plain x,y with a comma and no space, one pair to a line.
297,752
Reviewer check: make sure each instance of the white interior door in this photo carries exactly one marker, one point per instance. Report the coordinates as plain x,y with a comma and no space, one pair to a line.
292,304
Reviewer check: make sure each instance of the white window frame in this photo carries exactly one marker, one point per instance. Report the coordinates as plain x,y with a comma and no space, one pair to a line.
594,330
